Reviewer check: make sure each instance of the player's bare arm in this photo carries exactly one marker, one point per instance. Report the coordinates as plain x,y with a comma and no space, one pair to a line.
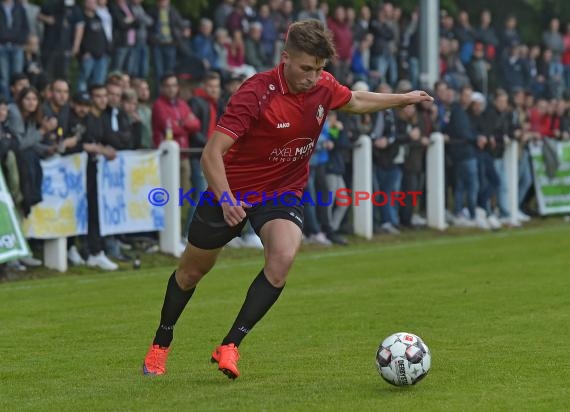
369,102
215,174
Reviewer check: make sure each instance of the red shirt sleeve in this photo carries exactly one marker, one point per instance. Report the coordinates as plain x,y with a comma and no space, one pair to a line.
191,123
341,94
241,110
546,126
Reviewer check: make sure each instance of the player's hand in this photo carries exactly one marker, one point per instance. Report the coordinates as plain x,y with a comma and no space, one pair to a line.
234,211
416,97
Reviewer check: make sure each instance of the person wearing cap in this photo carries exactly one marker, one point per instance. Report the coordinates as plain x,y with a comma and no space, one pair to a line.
232,82
80,106
488,179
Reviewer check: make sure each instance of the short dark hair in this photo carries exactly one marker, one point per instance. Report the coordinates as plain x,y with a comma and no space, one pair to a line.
212,75
58,79
500,93
94,87
310,36
16,77
167,76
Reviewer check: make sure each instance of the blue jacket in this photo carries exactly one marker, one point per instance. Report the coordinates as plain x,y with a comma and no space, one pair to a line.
336,164
462,134
203,47
320,154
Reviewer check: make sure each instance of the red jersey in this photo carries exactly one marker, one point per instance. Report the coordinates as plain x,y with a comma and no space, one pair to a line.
275,133
178,112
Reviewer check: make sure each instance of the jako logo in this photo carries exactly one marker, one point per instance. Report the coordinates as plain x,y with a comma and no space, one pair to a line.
8,241
283,125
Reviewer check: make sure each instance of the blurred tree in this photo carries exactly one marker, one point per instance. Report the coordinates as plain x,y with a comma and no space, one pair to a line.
192,9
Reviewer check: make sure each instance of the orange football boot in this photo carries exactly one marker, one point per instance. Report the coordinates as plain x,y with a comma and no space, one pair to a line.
155,361
227,357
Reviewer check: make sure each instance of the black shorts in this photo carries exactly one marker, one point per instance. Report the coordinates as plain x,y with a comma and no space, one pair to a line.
209,230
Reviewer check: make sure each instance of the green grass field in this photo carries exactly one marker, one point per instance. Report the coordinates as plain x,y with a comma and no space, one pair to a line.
494,309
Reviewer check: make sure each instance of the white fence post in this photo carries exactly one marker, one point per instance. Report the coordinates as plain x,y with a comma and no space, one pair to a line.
362,181
170,180
55,254
511,160
435,182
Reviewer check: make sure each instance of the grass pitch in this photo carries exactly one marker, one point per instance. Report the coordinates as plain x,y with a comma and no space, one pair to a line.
493,308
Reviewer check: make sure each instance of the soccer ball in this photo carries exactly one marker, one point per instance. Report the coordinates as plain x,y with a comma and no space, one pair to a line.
403,359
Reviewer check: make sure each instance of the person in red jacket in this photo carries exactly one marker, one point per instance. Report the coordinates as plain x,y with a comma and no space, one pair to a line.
343,39
173,119
540,119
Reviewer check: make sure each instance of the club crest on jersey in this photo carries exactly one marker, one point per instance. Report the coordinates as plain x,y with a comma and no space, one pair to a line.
320,114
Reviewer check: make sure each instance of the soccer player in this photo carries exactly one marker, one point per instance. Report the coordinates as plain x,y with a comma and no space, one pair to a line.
256,165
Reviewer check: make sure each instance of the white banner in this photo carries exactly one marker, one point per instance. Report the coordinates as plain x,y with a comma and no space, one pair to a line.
63,209
12,242
124,184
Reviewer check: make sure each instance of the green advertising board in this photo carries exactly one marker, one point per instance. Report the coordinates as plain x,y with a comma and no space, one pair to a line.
13,245
551,176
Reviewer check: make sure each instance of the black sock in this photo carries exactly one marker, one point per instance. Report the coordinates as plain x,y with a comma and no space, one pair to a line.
175,301
259,299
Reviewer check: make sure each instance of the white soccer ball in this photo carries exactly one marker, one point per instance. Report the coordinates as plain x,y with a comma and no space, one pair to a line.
403,359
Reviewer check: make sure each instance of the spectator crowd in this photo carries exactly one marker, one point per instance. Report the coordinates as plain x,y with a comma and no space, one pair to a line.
147,74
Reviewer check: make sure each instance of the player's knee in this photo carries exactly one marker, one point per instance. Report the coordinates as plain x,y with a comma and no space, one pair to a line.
189,277
277,266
